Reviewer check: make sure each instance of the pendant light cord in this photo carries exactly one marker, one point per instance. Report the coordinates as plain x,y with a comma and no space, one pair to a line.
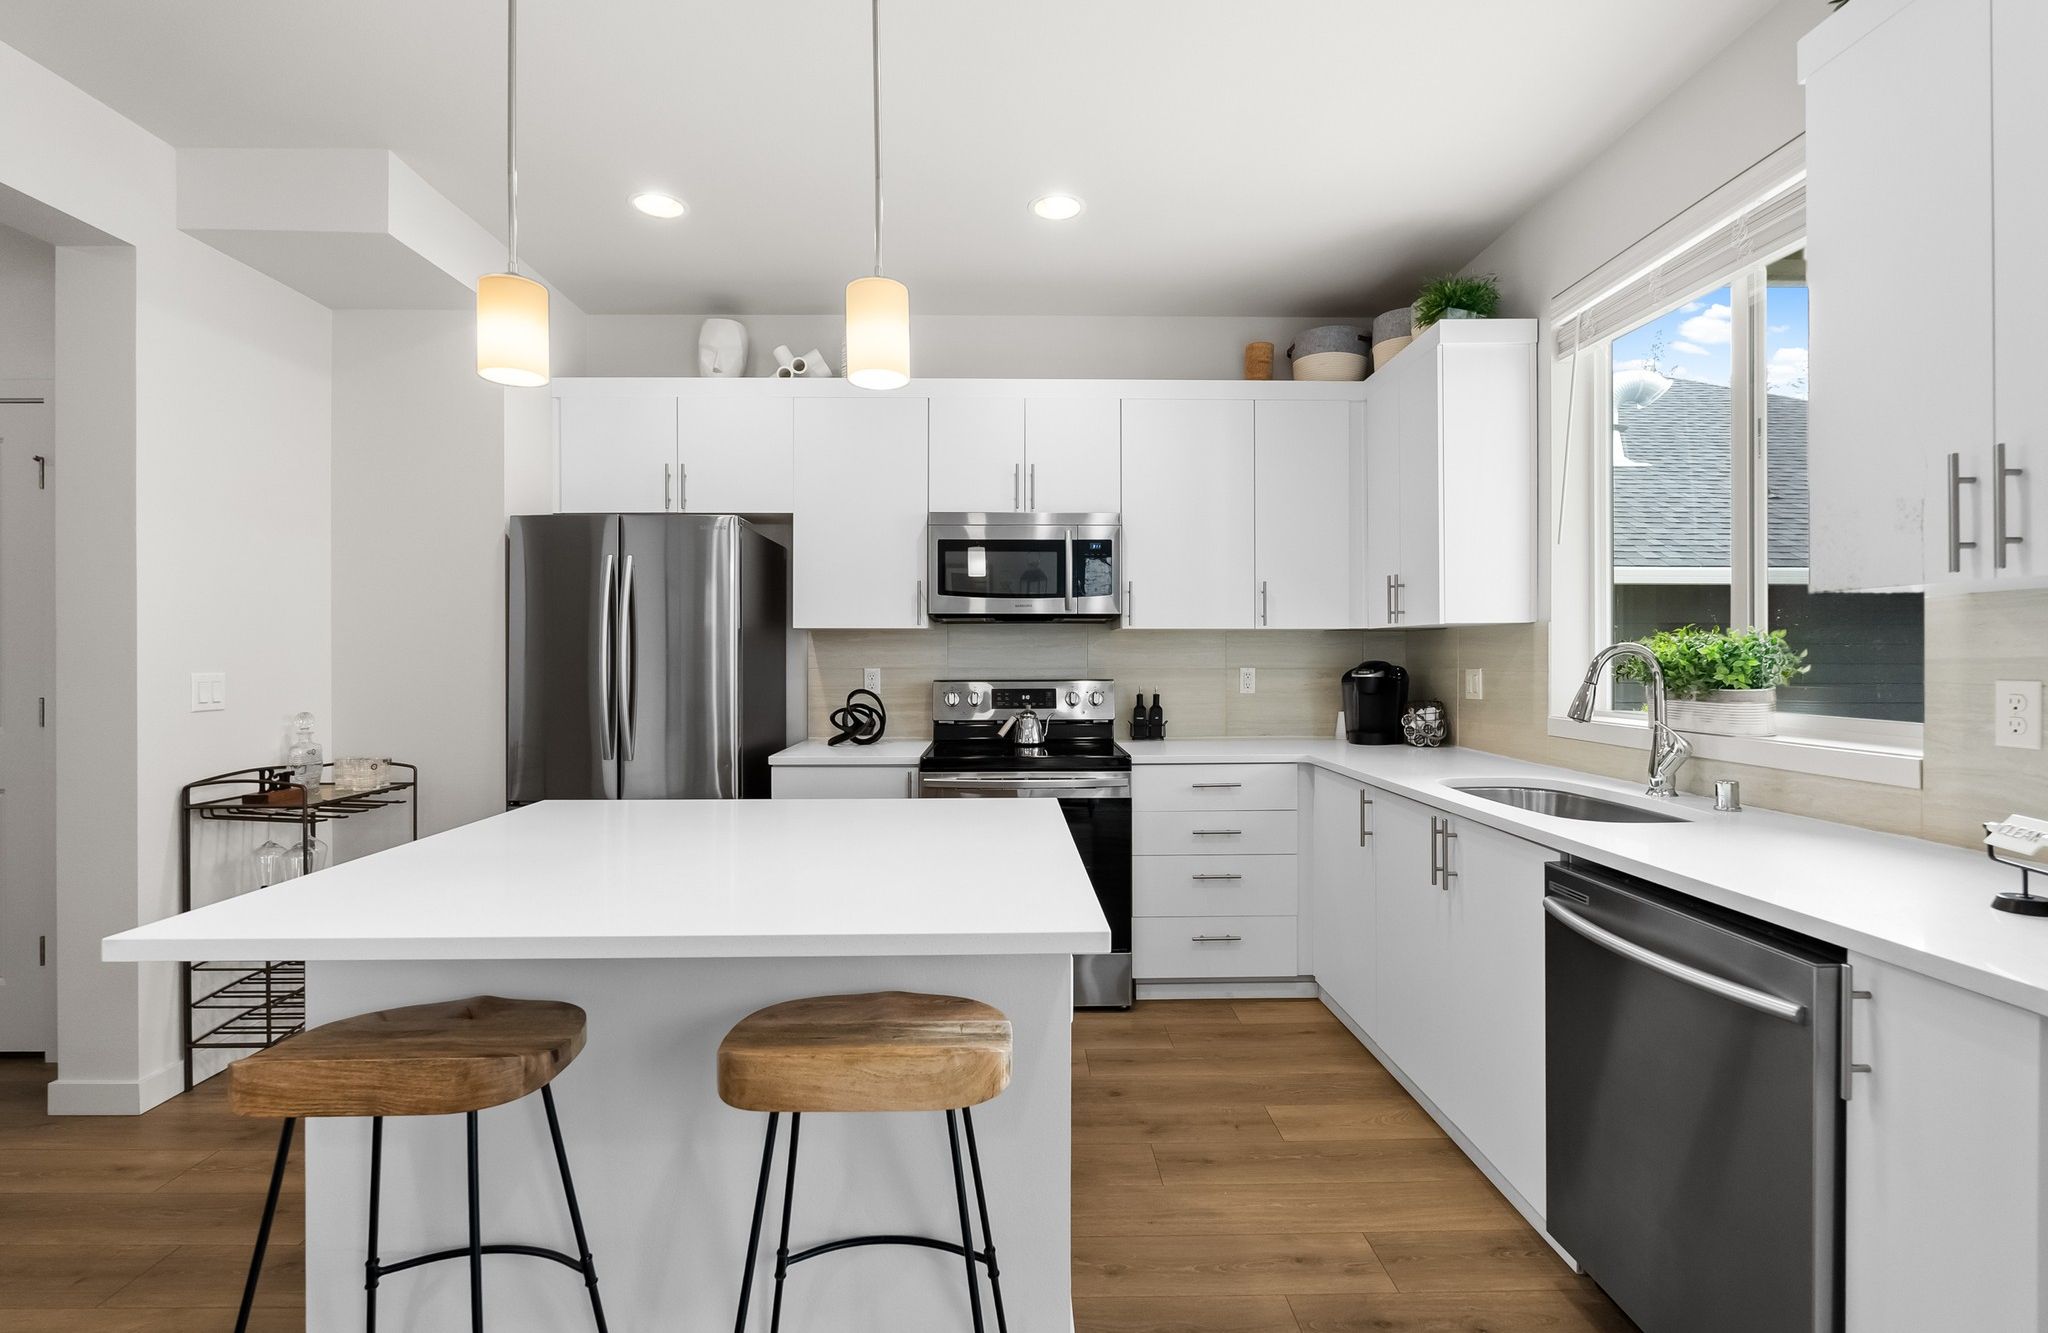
875,87
511,136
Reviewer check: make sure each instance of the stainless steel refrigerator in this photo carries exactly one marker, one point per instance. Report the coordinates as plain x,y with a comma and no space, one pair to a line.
645,657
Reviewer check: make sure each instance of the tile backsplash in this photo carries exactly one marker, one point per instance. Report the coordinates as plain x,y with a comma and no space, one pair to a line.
1197,671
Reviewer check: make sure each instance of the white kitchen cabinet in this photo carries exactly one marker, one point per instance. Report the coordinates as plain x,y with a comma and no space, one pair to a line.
1215,875
1072,455
977,455
1947,1157
1302,526
859,515
735,455
1188,478
1449,479
1899,199
2019,113
616,453
1412,944
842,782
1341,896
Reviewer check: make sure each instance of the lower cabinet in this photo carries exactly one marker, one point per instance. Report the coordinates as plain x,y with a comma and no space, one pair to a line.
1947,1159
1215,875
1343,896
842,781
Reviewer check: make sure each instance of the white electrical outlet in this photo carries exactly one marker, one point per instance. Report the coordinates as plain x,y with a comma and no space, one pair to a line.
209,691
1475,683
871,679
2016,714
1247,680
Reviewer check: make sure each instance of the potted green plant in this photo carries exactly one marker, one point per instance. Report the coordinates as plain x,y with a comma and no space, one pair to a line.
1452,297
1721,681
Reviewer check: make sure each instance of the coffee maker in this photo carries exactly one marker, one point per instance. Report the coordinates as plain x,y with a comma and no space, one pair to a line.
1375,696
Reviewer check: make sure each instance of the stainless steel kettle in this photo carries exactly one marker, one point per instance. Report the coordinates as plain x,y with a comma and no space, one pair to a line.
1028,725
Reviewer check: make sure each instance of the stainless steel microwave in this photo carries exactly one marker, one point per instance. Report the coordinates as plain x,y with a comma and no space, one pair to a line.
1023,567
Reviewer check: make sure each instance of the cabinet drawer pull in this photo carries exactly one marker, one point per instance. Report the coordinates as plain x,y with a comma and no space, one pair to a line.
1956,544
1219,832
1364,808
1214,786
1215,939
2000,474
1233,875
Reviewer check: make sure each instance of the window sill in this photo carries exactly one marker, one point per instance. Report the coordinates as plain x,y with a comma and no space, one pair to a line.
1885,765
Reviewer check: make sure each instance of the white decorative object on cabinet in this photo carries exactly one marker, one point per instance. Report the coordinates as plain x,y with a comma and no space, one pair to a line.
858,522
1302,547
722,348
617,453
1188,513
1449,479
1947,1155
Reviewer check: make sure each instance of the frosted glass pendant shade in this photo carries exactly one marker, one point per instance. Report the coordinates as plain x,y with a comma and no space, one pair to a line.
877,333
511,330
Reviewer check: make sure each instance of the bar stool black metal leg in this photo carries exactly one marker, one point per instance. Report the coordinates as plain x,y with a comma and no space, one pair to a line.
988,1237
547,1097
476,1237
966,1229
372,1262
284,1152
796,1121
754,1236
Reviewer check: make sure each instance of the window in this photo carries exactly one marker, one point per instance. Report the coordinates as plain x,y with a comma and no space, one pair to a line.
1704,491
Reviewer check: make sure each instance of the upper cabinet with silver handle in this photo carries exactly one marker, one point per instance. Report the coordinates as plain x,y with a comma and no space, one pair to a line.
1956,543
2001,537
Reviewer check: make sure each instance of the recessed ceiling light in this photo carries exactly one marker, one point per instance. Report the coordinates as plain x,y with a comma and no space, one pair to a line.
1056,207
658,205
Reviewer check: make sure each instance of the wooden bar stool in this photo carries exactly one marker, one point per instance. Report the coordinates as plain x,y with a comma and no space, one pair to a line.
891,1051
456,1057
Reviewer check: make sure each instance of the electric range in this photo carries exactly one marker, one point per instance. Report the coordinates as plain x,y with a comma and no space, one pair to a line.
983,748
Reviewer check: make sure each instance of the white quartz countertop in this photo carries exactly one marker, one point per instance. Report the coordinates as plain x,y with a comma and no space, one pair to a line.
883,753
1918,904
676,879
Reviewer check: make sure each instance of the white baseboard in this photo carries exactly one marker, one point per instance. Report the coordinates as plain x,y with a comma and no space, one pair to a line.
76,1096
1227,990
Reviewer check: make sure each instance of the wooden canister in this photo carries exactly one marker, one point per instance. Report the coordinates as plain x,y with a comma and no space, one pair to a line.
1258,361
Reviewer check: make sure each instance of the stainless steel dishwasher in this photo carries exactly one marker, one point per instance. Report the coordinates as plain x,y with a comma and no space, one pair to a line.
1695,1108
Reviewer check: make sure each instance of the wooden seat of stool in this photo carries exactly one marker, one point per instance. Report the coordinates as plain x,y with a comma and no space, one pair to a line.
424,1059
885,1051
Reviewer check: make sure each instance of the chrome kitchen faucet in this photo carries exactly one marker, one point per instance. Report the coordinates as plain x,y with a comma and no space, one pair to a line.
1668,749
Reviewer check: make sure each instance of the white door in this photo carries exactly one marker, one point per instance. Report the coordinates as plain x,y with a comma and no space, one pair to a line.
2019,109
617,454
735,455
977,455
1418,586
1303,524
1341,897
1380,504
1898,199
1072,455
858,520
1412,941
1187,496
1494,1003
28,902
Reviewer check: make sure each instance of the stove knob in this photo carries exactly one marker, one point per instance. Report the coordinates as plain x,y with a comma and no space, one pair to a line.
1073,698
974,698
952,698
1095,698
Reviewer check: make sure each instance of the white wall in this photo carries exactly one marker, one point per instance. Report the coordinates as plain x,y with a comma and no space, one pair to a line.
193,426
28,307
967,346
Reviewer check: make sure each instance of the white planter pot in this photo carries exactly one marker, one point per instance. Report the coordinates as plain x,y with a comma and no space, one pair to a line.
1726,713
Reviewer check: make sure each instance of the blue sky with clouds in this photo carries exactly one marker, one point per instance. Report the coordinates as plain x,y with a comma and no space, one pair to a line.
1693,341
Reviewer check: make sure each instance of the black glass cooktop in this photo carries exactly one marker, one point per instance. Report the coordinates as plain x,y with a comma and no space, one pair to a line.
1070,747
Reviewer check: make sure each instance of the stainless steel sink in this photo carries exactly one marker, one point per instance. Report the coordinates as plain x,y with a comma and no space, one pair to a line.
1565,804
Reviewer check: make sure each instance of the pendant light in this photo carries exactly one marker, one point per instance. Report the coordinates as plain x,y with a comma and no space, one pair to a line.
511,311
877,308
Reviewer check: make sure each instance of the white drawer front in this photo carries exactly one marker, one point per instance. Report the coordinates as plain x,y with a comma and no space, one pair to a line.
1215,786
1213,833
840,782
1238,885
1169,947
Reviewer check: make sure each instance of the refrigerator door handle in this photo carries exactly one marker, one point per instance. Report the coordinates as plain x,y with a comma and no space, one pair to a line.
606,704
629,665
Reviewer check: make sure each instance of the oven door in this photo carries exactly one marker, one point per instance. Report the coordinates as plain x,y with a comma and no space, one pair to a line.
999,572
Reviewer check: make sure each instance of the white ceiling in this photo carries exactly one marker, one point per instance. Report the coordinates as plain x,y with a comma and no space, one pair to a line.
1313,156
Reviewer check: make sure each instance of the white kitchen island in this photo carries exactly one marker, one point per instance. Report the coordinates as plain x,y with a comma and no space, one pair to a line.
668,922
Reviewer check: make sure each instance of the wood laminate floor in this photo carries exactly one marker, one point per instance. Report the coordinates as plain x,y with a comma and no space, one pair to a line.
1238,1168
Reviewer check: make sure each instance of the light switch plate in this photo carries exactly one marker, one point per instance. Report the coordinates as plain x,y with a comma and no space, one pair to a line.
1475,683
209,691
1247,680
871,679
2016,714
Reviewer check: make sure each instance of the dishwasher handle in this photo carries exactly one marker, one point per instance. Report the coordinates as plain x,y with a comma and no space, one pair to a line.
1761,1001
